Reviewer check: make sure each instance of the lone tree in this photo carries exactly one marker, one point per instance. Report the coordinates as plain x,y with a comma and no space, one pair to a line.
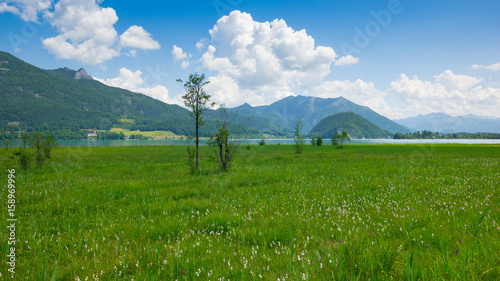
297,137
225,149
198,100
338,139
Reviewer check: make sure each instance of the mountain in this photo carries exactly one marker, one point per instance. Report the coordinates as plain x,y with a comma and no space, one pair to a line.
68,98
355,125
443,123
311,110
64,98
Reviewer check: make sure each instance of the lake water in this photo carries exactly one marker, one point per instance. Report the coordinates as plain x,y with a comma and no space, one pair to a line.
110,143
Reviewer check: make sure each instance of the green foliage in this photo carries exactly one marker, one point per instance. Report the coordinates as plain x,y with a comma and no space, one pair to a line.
37,143
313,140
225,149
24,157
338,139
319,141
198,100
48,144
7,142
262,141
356,125
298,138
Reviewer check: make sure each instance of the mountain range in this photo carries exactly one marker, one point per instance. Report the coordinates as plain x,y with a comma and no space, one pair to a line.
444,123
311,110
31,97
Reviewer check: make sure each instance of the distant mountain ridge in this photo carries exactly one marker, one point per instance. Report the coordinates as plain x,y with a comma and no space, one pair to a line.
312,110
65,98
444,123
355,125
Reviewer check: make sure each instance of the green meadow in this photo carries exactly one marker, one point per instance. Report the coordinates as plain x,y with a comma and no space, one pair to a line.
365,212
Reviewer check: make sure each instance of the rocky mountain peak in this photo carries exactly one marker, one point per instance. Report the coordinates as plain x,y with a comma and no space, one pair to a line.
82,74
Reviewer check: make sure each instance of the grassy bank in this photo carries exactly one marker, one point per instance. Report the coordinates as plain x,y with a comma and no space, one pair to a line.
403,212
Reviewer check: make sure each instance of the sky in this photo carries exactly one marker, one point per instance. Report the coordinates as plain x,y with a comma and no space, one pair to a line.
401,58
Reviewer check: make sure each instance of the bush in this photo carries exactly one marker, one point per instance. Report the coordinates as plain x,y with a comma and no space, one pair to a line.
313,140
24,158
319,141
262,142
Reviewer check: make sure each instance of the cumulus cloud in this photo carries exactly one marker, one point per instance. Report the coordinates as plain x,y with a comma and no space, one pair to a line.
449,93
201,44
132,81
346,60
453,82
358,91
264,59
494,67
137,37
86,31
180,57
28,10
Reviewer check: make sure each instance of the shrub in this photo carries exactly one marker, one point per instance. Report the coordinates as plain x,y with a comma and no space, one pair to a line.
319,141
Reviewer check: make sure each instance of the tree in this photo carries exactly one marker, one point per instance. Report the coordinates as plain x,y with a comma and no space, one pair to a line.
48,144
7,142
297,137
198,101
319,141
225,148
24,137
313,140
338,139
38,145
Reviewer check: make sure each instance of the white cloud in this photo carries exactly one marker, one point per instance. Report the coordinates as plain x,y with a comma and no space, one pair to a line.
137,37
178,54
127,79
132,81
494,67
264,59
346,60
454,82
28,10
225,90
452,94
359,91
201,44
180,57
86,31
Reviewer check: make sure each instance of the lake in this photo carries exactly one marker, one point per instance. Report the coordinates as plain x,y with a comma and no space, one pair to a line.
105,143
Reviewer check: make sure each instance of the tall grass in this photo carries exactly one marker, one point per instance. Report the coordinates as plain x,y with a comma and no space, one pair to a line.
408,212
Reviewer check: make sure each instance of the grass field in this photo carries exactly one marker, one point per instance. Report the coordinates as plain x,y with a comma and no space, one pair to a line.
152,134
393,212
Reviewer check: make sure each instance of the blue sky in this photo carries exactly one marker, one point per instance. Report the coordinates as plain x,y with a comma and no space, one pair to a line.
401,58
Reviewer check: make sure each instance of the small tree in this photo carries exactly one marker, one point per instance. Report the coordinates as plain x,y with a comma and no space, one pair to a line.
297,137
198,100
262,142
338,139
24,137
313,140
7,142
38,145
225,150
319,141
48,144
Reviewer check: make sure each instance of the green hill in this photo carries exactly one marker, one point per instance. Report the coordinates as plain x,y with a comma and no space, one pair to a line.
37,99
355,125
311,110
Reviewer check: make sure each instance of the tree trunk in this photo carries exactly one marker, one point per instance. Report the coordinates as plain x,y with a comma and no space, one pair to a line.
197,141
